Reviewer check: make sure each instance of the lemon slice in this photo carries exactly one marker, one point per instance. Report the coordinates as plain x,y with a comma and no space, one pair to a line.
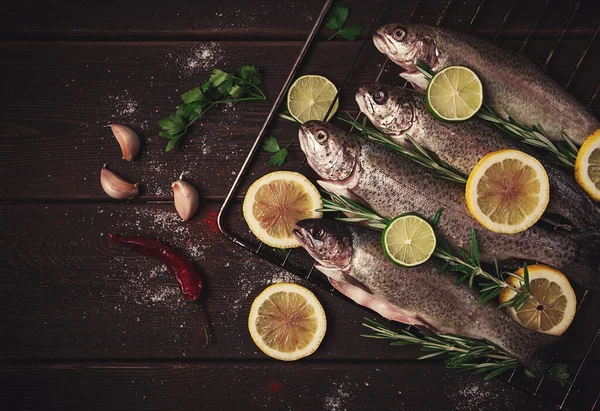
287,322
455,94
309,98
554,311
276,202
507,191
408,240
587,165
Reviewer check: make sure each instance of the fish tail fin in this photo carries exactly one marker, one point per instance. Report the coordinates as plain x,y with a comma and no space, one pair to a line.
585,268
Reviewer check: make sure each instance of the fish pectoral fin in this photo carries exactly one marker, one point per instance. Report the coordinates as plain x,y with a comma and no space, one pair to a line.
368,300
335,273
426,327
417,79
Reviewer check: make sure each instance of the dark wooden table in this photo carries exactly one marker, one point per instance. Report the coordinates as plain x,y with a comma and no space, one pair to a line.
87,326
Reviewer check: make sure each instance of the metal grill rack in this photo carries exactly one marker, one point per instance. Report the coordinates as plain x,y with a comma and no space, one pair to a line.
583,358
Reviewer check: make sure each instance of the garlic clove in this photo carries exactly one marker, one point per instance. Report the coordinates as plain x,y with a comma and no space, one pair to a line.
128,140
116,187
186,199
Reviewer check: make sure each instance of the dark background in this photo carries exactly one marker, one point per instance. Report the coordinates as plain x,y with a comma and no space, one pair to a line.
88,326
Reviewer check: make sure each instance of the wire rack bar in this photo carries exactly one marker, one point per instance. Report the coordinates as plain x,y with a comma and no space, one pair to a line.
562,33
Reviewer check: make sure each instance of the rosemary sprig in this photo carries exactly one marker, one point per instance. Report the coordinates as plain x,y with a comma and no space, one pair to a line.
418,154
563,153
360,214
466,264
464,353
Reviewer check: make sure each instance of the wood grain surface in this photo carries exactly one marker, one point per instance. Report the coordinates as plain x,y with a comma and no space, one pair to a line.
90,326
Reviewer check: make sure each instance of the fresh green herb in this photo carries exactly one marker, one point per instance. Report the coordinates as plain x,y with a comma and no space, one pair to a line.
464,353
220,88
335,21
360,214
559,372
563,153
466,264
272,146
418,153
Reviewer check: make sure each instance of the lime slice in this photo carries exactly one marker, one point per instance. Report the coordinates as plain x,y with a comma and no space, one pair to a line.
309,98
408,240
455,94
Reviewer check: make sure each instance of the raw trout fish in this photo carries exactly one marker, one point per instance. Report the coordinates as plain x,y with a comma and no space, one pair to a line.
353,260
391,185
397,111
513,85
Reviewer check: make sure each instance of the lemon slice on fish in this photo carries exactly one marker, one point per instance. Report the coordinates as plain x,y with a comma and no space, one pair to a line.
507,191
276,202
455,94
587,165
408,240
309,98
287,322
556,305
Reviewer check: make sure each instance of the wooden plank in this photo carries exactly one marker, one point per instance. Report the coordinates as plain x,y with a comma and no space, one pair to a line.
52,125
308,385
134,19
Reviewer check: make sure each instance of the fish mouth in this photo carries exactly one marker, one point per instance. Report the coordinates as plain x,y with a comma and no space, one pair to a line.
383,44
365,103
307,142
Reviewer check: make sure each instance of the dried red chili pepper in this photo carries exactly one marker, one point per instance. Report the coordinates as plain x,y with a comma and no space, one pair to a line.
190,282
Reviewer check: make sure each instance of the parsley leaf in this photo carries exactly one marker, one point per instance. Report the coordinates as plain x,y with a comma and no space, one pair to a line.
221,87
351,33
335,21
251,74
172,124
337,17
272,146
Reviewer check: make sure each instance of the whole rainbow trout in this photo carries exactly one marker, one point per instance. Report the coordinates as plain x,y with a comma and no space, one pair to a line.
512,84
352,258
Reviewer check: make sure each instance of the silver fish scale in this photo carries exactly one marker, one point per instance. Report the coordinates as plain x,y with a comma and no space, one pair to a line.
392,185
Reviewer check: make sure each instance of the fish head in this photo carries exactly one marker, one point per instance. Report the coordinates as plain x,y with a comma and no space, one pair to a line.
406,44
389,108
330,151
329,242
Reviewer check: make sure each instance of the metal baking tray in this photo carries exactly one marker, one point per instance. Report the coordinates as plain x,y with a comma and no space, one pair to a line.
583,392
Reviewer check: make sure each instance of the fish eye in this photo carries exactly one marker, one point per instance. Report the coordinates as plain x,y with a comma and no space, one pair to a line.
399,34
321,136
380,97
318,234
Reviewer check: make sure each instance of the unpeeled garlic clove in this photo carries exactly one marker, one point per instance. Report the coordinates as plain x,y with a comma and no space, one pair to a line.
186,199
116,187
128,140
